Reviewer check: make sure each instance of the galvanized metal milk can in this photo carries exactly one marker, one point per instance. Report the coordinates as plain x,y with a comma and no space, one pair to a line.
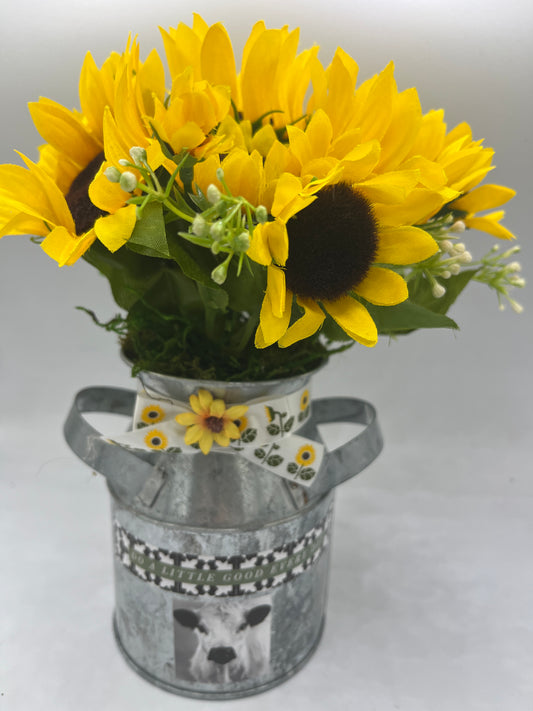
221,566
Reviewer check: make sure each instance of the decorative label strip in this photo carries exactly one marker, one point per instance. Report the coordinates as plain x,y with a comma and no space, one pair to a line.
265,433
220,576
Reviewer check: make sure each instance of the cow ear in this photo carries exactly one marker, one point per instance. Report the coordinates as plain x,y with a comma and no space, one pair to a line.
187,618
257,614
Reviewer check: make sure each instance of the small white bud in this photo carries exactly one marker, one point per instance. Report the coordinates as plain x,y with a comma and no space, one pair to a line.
112,174
517,308
510,252
514,267
458,226
438,291
123,162
261,214
212,194
199,226
128,181
217,230
455,269
517,281
138,155
446,246
446,274
459,248
219,274
220,174
465,257
241,243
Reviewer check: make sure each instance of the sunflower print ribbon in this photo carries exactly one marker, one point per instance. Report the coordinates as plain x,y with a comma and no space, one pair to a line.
261,430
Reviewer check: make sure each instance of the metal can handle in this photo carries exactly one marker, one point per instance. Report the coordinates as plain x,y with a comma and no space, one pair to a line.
127,471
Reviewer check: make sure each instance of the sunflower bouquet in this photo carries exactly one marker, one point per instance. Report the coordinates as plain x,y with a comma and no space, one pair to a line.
252,222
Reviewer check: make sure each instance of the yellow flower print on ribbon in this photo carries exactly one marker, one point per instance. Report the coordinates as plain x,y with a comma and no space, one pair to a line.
306,455
152,414
210,421
155,439
241,423
304,400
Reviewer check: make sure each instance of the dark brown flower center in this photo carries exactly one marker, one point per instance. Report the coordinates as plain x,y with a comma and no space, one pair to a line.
214,424
84,212
332,244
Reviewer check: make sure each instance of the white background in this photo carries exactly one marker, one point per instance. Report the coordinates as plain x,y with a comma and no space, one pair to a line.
431,596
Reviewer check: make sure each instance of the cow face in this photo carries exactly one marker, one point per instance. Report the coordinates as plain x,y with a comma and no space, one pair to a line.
231,644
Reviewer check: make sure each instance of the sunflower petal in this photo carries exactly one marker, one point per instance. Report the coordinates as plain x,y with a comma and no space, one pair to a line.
206,441
194,402
217,60
272,327
404,245
231,430
236,411
193,434
259,251
187,418
382,287
115,230
65,247
490,223
484,198
205,399
62,129
218,408
306,326
222,439
354,319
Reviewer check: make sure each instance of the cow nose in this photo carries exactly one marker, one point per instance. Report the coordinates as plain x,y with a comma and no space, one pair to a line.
221,655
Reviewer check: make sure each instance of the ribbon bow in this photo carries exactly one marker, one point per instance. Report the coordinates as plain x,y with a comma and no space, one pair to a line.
260,430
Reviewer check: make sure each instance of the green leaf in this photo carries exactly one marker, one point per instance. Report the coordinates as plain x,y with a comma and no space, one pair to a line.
245,291
195,262
287,426
248,435
292,467
273,429
274,460
214,297
420,291
333,332
307,473
130,275
149,236
407,317
260,453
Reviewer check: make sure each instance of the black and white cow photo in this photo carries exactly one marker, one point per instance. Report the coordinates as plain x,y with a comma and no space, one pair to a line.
223,640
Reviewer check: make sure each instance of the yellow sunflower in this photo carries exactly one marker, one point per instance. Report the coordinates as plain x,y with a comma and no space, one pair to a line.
326,255
210,422
306,455
241,423
50,199
273,77
155,439
304,400
152,414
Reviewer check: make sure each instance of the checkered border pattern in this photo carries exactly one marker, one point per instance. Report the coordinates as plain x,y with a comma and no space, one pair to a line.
220,576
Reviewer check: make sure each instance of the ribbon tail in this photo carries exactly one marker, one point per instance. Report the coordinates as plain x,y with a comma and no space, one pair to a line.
294,458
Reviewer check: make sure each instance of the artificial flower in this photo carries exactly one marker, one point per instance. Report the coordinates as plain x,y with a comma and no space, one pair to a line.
52,197
211,421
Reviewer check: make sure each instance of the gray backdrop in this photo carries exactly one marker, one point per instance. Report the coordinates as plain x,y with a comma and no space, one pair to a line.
431,585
